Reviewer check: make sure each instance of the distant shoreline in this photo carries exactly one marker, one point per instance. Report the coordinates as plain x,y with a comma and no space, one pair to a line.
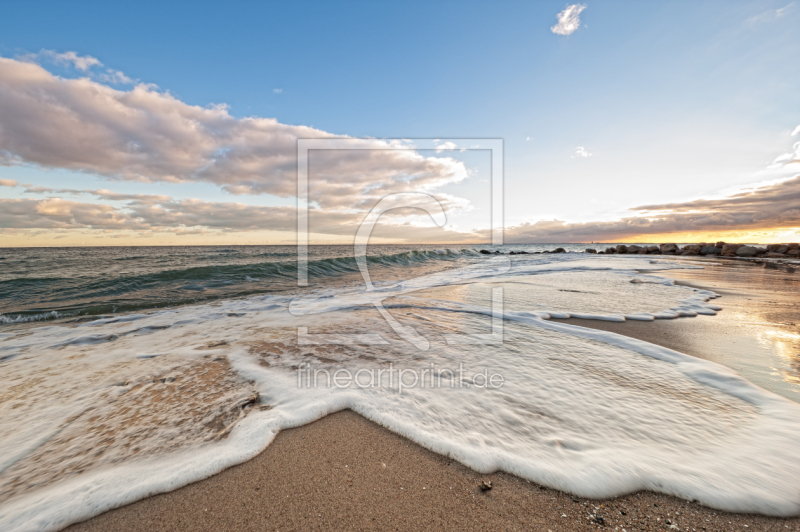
718,249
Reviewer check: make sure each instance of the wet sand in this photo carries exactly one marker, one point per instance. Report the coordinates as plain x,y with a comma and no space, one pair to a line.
757,333
344,472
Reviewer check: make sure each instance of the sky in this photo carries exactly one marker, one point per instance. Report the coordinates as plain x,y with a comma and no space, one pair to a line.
153,124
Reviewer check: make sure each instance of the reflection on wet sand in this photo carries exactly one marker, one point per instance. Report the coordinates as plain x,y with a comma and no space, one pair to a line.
757,333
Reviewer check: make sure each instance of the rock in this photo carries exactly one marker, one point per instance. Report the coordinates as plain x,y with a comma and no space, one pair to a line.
793,253
622,248
693,247
720,245
653,249
746,251
485,252
486,485
643,251
668,253
730,248
610,251
668,248
793,247
590,250
634,248
710,250
559,250
778,248
772,255
690,253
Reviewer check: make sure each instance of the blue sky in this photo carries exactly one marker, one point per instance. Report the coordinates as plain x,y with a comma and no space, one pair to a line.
671,101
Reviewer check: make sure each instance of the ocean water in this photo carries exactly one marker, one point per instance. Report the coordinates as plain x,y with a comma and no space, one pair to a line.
126,372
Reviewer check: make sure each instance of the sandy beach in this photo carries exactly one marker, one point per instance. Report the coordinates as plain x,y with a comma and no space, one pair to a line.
344,472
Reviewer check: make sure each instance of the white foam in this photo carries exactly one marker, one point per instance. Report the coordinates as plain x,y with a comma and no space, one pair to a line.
8,320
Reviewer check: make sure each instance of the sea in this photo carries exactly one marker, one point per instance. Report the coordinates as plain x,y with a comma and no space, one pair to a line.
130,371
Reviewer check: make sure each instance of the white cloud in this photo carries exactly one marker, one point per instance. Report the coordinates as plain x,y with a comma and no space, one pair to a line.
8,183
277,91
568,20
80,62
527,138
143,134
792,157
581,152
114,76
444,146
770,15
102,194
782,11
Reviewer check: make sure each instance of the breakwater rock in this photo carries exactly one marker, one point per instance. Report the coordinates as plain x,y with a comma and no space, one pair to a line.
720,249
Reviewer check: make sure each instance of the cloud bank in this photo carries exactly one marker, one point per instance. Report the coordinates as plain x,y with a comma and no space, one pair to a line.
764,208
144,213
147,135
